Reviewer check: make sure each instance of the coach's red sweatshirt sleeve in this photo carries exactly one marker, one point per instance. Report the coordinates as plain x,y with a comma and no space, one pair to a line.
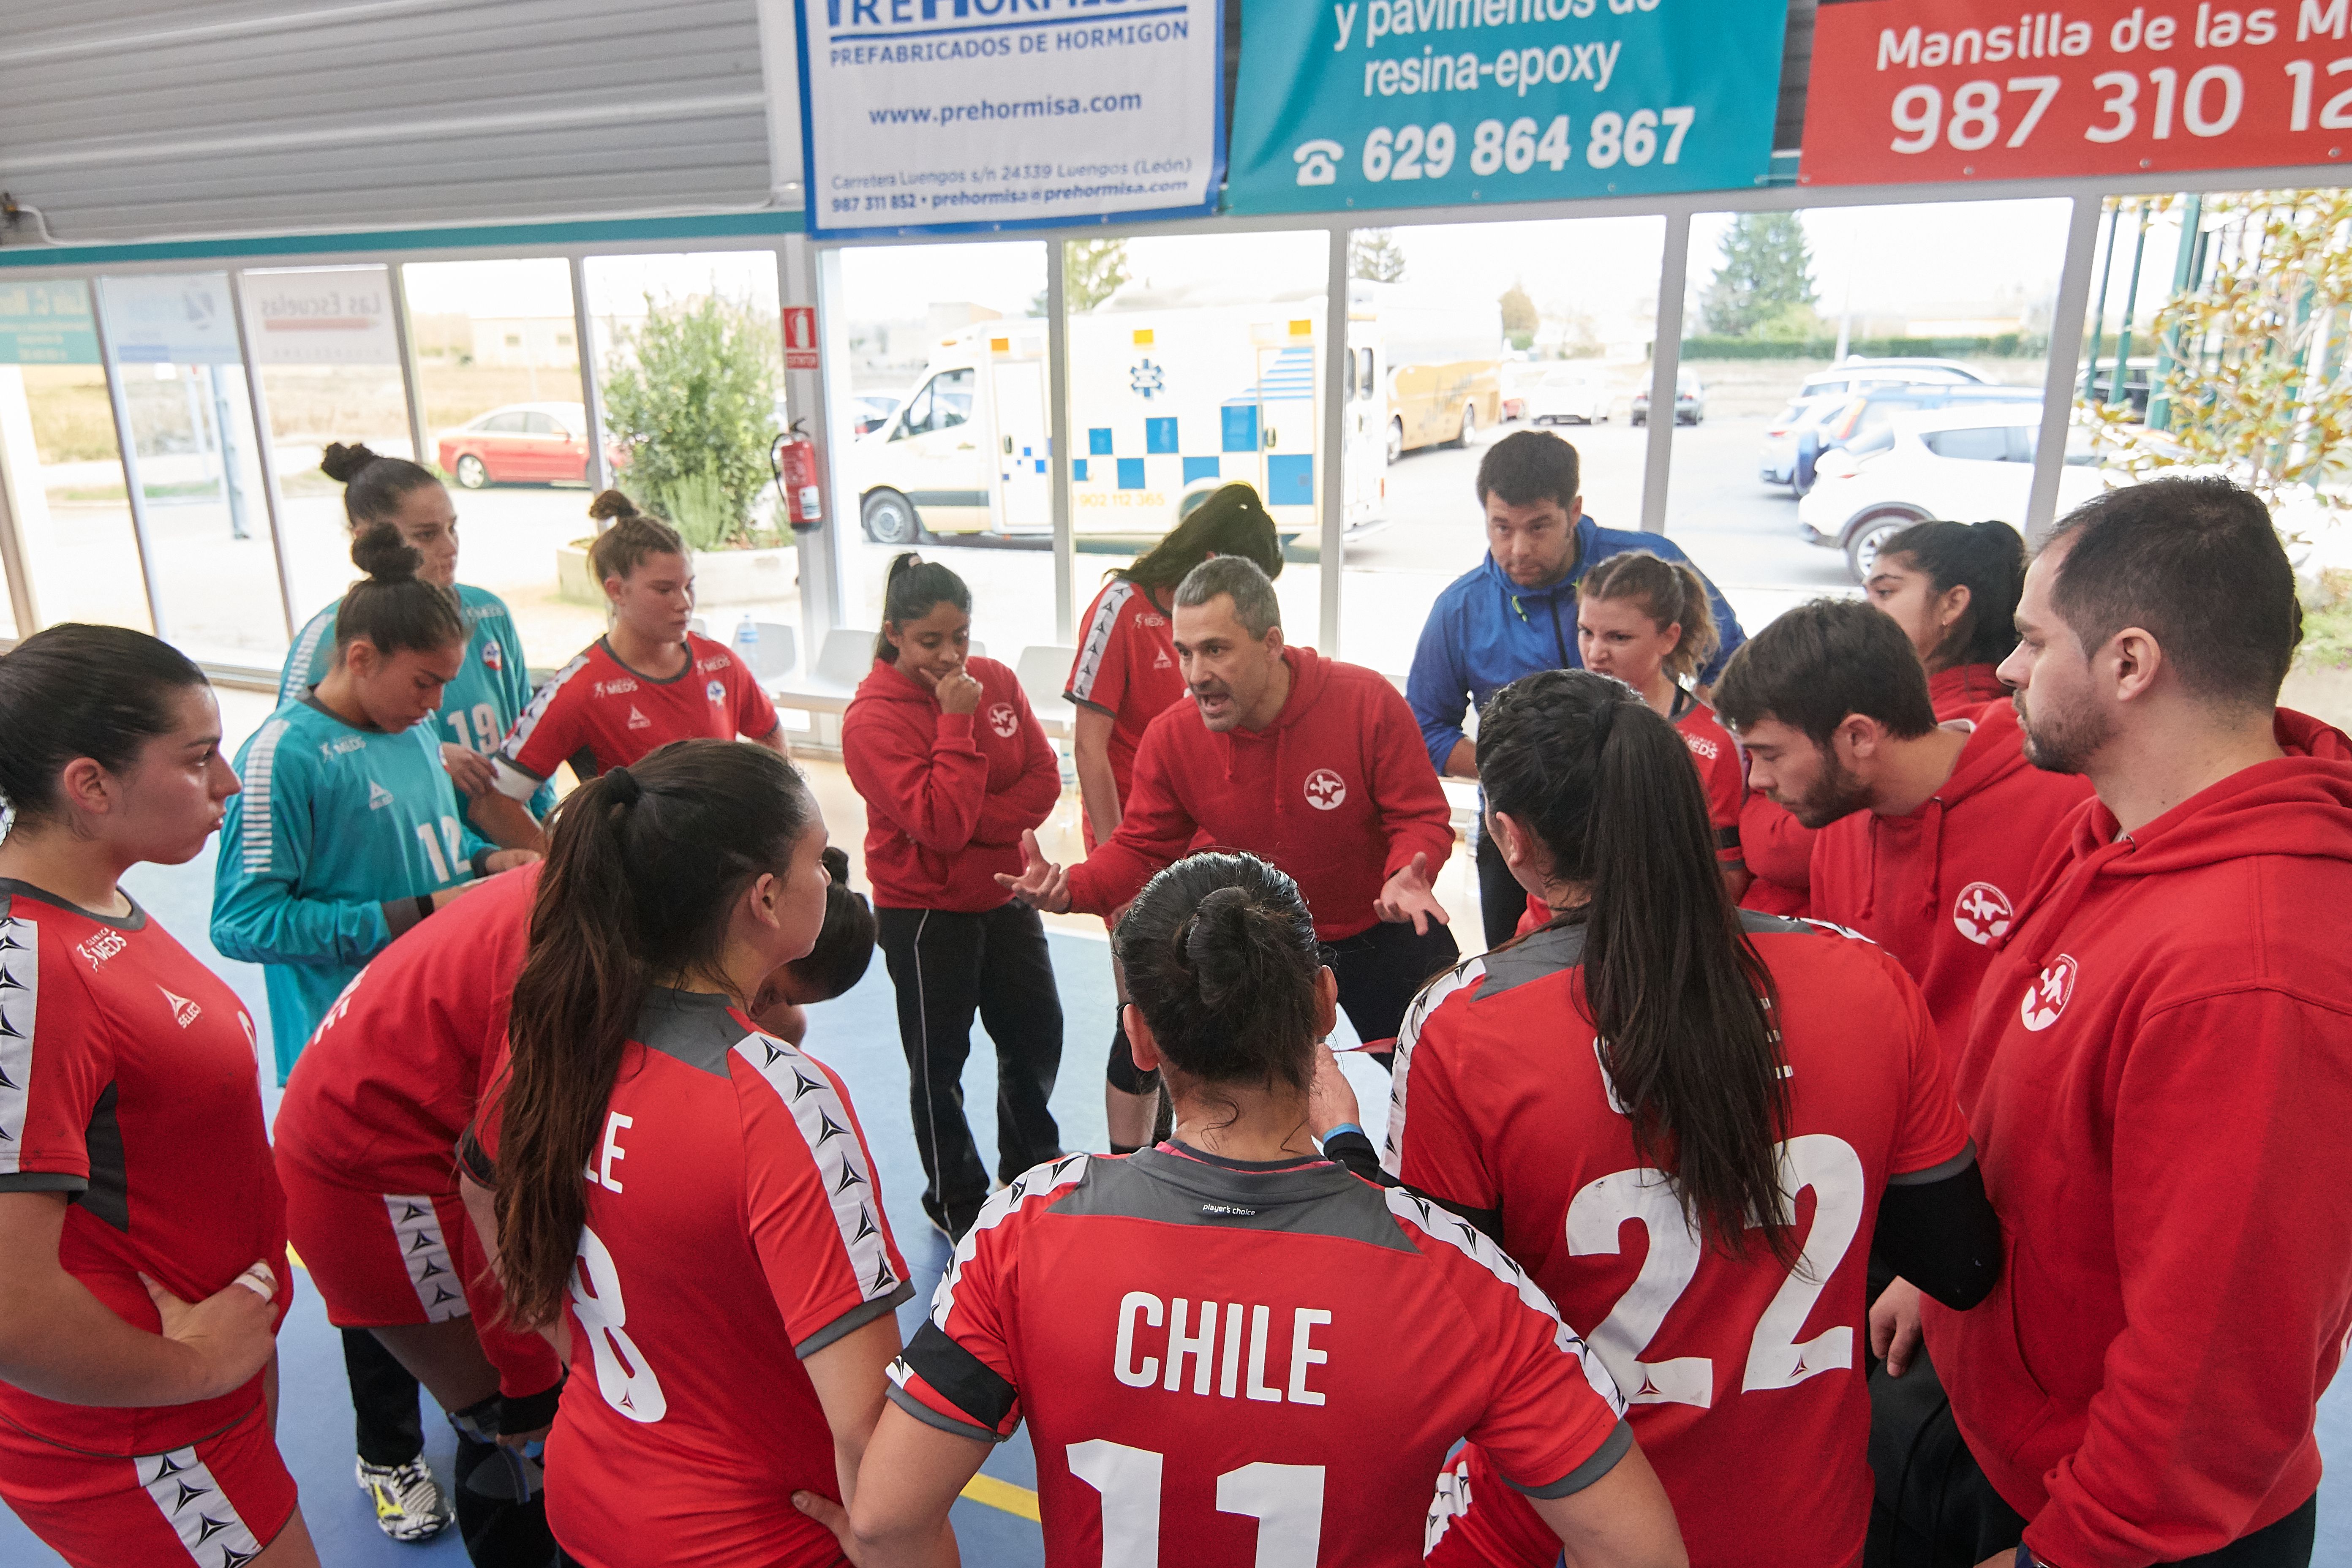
2235,1251
1154,831
1006,814
932,793
1412,807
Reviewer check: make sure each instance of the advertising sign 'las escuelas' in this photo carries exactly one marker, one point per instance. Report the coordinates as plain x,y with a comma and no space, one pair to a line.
1359,104
929,116
1956,89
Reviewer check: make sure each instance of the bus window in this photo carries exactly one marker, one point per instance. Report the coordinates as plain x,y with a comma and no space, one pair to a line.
1367,381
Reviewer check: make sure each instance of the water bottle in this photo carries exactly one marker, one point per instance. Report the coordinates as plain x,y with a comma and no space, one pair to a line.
747,642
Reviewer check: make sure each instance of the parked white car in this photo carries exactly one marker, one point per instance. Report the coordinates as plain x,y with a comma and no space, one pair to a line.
1967,462
1567,395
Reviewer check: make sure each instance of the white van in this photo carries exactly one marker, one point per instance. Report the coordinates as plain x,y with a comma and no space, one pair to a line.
1167,391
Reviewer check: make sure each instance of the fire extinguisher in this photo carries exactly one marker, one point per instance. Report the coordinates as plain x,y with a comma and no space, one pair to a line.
798,487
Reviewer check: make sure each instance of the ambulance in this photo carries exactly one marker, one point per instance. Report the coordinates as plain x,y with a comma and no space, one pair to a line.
1170,390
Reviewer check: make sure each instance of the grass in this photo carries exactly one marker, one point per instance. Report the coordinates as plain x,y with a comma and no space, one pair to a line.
2327,625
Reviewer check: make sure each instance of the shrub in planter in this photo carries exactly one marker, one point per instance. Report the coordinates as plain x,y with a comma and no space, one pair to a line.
692,393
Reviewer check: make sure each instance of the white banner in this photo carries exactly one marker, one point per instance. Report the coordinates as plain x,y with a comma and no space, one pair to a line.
169,319
329,315
931,116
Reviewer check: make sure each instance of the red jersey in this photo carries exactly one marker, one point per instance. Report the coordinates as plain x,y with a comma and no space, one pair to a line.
1338,791
1224,1365
735,1227
1721,768
1125,667
1938,887
598,713
128,1080
1960,690
1778,851
947,794
2157,1080
394,1073
1745,1378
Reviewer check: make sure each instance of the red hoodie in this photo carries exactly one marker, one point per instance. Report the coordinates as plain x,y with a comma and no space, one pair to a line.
1963,689
1937,886
1338,791
947,794
2158,1084
1780,854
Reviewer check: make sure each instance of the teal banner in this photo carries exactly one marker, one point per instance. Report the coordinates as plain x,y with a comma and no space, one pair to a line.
1365,104
47,323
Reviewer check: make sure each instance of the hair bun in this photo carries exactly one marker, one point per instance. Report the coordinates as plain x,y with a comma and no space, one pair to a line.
384,557
622,786
1217,943
611,505
342,463
836,861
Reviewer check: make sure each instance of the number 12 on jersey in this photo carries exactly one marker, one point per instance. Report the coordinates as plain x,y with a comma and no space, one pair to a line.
1775,1360
1286,1501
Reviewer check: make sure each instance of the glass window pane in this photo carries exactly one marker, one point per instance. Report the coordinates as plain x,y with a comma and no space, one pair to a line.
1196,361
496,362
64,468
1977,444
1509,326
323,344
173,340
963,471
1818,336
689,363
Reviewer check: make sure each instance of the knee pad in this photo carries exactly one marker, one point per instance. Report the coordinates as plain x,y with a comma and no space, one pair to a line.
500,1501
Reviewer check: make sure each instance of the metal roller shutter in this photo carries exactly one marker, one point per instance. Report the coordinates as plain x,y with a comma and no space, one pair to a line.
146,119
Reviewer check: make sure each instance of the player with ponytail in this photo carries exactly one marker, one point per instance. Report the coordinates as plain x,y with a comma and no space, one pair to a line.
1763,1098
1953,588
722,1273
493,685
650,680
348,832
1230,1350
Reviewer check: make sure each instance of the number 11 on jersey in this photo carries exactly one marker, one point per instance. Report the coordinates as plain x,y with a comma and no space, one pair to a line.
1286,1501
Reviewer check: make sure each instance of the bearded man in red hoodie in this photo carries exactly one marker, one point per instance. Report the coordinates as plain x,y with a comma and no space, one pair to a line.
1315,765
2157,1075
1929,832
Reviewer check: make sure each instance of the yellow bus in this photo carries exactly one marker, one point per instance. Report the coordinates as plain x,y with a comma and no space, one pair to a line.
1441,361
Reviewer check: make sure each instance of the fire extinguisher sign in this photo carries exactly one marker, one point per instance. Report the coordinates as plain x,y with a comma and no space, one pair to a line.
800,337
1958,90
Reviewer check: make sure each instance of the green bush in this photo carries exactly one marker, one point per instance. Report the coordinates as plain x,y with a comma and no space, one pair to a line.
692,393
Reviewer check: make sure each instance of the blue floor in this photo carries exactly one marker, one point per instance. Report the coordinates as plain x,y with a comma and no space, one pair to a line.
857,1036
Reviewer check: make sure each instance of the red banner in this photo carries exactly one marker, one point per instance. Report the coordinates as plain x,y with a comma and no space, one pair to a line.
1909,90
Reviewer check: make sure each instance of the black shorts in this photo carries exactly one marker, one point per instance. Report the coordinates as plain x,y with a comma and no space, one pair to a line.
1381,969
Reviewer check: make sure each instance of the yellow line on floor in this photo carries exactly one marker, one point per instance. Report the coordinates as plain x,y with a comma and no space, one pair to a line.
1002,1495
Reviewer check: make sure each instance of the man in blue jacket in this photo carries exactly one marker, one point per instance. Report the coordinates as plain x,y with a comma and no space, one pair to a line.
1515,614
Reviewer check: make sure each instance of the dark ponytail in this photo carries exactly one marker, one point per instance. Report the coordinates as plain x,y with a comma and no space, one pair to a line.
1221,959
1231,521
1989,560
373,487
392,607
73,691
644,866
845,945
1683,1006
911,589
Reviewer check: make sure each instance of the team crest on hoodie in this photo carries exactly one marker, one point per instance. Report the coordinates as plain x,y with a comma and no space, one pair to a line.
2047,998
1982,912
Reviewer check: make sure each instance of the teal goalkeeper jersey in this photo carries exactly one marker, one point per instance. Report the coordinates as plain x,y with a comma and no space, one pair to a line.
335,822
477,708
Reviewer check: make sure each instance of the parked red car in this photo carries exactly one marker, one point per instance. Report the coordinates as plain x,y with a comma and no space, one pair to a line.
523,443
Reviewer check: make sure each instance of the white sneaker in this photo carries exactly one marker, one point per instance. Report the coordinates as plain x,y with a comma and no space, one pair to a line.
409,1506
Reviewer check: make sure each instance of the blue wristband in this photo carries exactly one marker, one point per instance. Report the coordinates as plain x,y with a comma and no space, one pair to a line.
1347,1126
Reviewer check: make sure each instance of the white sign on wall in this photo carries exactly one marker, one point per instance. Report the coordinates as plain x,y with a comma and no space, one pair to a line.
329,315
170,319
940,116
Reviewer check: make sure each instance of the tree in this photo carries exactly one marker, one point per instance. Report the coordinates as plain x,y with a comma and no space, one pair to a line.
695,402
2251,383
1767,270
1374,255
1521,319
1092,271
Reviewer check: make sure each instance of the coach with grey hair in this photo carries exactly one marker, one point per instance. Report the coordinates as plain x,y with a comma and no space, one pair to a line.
1313,765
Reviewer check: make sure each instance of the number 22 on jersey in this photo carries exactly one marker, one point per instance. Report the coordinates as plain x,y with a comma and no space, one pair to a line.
1825,1163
